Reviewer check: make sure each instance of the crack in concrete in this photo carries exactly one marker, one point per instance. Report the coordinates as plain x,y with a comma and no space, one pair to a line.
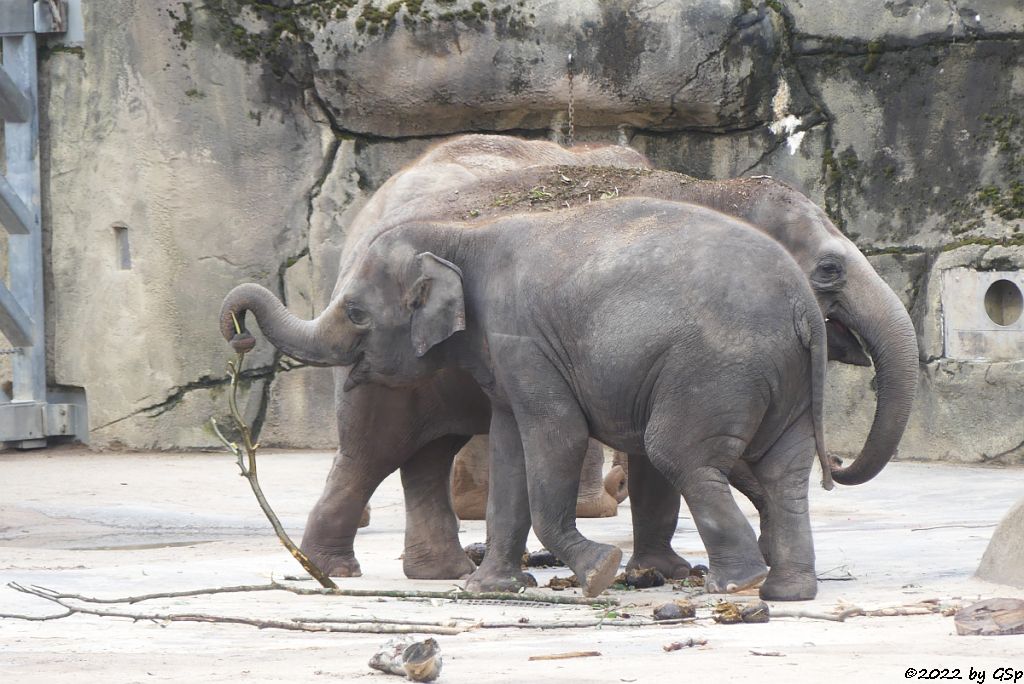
735,28
790,62
1013,451
325,170
854,47
177,394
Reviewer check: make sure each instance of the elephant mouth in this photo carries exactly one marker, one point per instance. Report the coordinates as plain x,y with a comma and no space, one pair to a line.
357,374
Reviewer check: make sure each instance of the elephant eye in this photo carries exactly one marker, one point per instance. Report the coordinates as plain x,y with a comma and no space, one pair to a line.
830,268
357,315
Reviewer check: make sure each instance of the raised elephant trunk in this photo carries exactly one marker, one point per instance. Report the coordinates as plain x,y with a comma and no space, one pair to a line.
879,317
304,341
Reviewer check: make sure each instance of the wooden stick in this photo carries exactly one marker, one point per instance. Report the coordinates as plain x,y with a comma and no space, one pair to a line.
369,626
565,656
454,595
249,472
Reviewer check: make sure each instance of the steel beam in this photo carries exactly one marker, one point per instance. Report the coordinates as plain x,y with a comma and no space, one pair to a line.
31,414
25,252
31,421
14,106
14,215
15,324
16,17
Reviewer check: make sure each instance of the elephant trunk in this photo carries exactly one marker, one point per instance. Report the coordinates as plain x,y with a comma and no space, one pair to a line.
879,317
302,340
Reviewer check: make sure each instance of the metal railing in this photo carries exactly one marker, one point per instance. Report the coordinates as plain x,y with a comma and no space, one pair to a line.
27,417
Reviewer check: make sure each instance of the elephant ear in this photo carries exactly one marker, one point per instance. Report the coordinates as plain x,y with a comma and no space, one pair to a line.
843,346
437,303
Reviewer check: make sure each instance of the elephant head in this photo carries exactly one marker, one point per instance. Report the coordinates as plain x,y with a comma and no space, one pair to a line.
392,302
866,321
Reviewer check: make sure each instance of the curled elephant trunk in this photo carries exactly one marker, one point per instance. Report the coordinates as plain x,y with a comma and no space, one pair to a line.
302,340
879,317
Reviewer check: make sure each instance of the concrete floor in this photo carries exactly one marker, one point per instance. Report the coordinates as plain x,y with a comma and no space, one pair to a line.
133,523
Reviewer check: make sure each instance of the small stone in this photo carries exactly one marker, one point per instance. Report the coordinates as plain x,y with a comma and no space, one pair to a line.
476,552
675,610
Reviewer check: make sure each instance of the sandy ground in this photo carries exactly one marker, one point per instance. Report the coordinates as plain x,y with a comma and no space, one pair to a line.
122,524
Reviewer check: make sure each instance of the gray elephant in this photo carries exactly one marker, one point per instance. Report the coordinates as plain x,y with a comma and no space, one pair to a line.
419,428
625,320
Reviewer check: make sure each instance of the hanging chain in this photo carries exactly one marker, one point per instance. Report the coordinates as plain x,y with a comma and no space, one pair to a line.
8,352
571,134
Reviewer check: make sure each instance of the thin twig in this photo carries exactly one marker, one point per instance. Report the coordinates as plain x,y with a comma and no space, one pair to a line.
249,471
574,624
380,621
854,611
37,618
368,626
454,595
457,595
812,615
946,527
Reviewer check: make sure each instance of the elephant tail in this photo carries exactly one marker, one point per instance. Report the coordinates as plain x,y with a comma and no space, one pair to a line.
814,335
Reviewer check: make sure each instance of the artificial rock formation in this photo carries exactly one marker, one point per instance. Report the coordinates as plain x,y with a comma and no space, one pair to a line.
1003,561
236,139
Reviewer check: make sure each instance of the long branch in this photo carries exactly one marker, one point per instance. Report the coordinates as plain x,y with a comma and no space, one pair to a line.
368,626
249,472
454,595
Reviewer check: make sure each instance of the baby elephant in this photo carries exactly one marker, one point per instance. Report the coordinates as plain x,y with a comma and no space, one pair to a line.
655,327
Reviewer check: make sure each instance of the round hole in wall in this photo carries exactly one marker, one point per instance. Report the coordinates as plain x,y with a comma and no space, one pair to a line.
1004,302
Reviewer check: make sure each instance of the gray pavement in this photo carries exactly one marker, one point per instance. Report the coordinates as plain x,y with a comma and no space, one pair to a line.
119,524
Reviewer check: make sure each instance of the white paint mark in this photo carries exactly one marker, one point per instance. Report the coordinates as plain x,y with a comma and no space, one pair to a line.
785,124
793,142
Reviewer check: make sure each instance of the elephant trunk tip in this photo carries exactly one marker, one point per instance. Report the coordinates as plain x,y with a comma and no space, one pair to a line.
857,474
242,342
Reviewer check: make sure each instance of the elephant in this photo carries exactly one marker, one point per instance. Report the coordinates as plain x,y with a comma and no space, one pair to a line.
598,496
419,428
626,321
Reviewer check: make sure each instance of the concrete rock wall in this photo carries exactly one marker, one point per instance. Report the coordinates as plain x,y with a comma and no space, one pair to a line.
237,139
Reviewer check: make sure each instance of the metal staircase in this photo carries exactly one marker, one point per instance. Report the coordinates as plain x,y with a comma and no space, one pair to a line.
29,414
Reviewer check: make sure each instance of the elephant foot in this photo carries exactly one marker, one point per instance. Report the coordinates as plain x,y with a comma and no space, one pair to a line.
454,565
496,580
335,564
791,587
735,578
668,563
602,505
364,519
615,483
596,569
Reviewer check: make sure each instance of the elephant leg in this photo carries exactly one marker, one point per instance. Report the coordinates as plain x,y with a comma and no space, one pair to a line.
508,511
695,450
654,502
742,478
615,482
432,548
380,430
469,481
784,473
554,453
593,501
332,523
